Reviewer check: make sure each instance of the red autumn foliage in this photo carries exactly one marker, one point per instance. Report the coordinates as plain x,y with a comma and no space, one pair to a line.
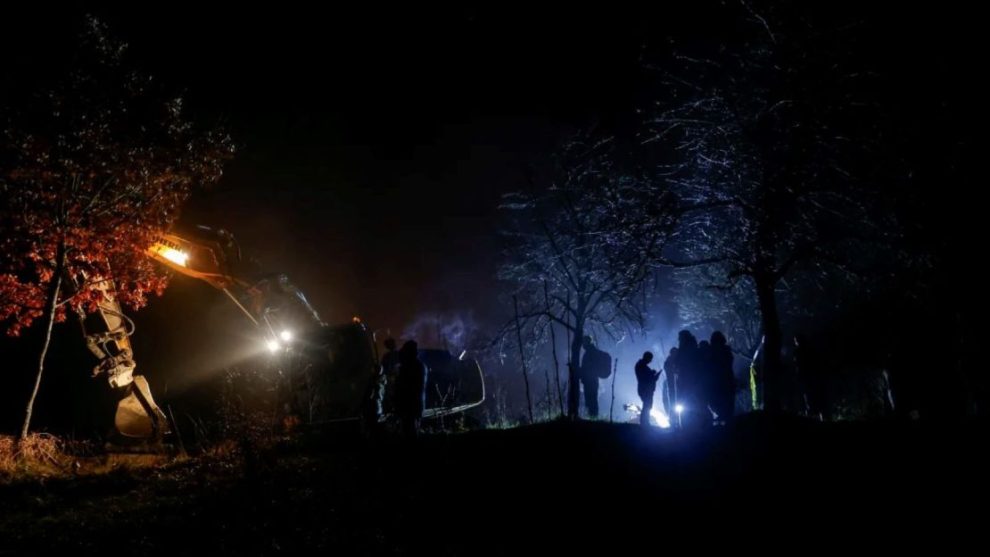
96,168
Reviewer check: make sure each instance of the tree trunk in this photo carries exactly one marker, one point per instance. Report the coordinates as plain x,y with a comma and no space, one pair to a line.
556,370
522,359
611,406
772,344
553,349
573,384
50,309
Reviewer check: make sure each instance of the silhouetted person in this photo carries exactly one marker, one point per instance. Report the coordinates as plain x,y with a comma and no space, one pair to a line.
811,373
646,385
595,365
388,373
723,380
705,388
670,385
689,379
382,392
390,360
410,389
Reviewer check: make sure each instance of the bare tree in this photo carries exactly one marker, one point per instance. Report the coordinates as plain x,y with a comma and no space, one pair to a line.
770,140
581,245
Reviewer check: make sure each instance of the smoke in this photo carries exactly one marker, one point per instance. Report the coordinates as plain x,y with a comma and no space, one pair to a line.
454,331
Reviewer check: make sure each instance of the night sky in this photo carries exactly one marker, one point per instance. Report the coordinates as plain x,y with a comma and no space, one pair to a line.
374,146
375,141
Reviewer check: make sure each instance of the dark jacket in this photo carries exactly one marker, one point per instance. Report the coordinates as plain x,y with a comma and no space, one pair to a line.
646,377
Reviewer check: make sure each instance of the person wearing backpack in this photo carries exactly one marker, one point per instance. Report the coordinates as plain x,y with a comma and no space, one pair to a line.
595,365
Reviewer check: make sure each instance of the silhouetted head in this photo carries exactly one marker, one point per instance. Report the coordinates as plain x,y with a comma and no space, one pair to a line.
409,350
390,343
588,342
673,351
686,340
718,339
647,357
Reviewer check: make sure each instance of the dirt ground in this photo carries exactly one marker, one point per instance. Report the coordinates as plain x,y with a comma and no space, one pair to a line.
760,485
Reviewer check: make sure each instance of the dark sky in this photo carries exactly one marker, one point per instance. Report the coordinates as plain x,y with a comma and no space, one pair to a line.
375,141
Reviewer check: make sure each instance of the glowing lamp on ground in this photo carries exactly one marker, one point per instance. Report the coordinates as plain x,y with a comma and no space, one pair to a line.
661,418
679,408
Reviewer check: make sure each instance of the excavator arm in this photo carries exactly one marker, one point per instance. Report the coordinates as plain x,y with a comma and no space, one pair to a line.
343,359
204,254
214,257
343,362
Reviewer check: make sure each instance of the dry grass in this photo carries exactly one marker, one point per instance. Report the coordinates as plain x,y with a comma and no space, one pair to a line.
44,456
38,455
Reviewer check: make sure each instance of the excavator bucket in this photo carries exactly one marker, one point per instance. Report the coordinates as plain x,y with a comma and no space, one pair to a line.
138,418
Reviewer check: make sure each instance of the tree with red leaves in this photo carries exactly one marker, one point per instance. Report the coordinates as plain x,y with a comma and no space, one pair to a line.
91,173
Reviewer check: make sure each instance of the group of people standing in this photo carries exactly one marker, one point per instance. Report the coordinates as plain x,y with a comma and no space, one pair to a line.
699,389
700,385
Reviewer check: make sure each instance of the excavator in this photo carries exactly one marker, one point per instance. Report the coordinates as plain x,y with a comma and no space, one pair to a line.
334,369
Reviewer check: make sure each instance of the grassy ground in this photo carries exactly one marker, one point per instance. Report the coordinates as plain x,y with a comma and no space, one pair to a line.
762,484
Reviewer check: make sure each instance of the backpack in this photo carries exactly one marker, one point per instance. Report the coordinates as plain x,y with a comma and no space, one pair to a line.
601,365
